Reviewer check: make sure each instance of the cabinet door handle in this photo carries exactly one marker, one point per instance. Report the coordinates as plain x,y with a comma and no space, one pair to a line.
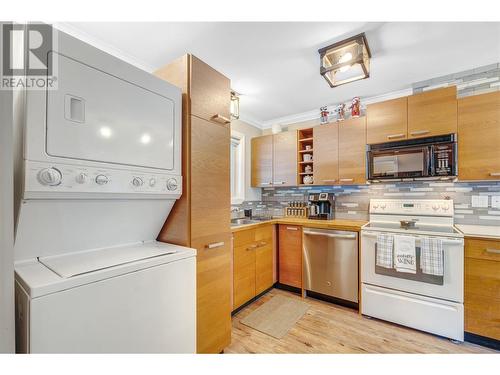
495,174
292,228
493,251
279,182
333,180
262,243
221,119
266,183
214,245
251,247
392,136
420,132
347,179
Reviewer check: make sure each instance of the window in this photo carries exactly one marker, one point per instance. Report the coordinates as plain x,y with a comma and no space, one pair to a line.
237,167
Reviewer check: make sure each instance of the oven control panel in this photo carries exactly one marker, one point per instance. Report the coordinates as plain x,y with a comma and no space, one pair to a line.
427,207
66,178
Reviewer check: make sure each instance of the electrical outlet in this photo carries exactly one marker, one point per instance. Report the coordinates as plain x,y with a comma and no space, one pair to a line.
495,201
480,201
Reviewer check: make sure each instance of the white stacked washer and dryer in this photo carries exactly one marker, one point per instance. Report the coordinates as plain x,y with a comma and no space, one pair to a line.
97,175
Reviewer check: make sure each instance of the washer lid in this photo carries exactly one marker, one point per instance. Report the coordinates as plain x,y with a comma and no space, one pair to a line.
74,264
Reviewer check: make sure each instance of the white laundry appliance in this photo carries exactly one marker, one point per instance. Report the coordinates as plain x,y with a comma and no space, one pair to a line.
98,171
431,302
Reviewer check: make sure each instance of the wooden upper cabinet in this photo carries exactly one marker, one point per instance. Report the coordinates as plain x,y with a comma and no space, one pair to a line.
479,137
210,93
209,178
262,161
352,151
285,159
290,255
326,154
387,121
432,113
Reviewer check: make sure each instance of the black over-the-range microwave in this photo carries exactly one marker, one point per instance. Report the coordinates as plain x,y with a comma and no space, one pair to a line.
424,158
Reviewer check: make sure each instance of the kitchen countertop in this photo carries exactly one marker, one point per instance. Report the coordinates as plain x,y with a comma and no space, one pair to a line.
479,231
340,224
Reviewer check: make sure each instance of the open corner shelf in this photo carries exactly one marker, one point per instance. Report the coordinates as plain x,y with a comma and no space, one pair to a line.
305,145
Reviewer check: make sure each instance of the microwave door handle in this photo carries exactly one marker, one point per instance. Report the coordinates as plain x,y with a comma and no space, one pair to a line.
430,167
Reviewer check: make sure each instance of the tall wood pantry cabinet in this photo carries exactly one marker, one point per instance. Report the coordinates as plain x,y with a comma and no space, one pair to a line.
201,217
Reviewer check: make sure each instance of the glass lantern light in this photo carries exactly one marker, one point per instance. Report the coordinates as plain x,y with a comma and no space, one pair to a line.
235,105
345,61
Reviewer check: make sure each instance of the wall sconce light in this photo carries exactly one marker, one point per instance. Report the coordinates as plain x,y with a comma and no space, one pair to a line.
345,61
235,105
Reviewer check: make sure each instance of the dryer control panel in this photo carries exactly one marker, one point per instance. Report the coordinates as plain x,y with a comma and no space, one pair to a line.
43,178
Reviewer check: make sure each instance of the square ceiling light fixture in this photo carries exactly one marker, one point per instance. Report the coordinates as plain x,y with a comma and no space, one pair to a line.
345,61
235,105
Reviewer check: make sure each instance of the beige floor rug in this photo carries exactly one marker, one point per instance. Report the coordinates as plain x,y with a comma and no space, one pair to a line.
277,316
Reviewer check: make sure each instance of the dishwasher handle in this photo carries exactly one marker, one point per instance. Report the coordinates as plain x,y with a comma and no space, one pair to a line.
331,235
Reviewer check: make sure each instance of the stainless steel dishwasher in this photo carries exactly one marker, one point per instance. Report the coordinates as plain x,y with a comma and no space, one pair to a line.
330,264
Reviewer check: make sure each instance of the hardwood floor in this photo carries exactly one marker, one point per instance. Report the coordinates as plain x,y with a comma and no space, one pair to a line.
329,328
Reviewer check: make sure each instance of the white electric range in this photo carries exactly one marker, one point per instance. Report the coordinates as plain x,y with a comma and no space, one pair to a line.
422,301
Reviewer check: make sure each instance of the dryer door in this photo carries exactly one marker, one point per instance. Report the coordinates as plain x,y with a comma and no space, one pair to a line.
96,116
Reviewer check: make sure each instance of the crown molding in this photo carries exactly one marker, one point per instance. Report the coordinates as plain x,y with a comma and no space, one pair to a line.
314,114
96,42
251,121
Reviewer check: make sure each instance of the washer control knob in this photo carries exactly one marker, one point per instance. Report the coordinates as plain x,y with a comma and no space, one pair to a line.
137,181
101,179
81,178
172,184
50,177
152,181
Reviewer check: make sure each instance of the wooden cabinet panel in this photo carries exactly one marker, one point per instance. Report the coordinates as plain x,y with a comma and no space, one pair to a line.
210,93
264,258
213,297
326,154
482,296
210,186
479,137
285,159
482,249
352,151
262,161
290,255
432,113
387,121
243,267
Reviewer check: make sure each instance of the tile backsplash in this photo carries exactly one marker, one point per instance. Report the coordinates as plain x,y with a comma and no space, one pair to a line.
352,202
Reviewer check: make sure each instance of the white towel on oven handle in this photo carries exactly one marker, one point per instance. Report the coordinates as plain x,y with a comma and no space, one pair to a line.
405,254
385,253
431,256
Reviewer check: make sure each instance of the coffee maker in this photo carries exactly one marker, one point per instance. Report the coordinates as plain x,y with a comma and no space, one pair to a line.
321,206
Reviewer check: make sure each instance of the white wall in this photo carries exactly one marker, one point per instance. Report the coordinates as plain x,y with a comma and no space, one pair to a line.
251,194
6,225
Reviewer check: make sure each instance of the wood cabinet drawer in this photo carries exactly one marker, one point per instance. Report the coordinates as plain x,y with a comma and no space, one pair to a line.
482,249
482,278
482,317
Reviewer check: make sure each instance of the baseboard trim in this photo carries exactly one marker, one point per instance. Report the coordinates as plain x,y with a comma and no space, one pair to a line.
288,288
330,299
235,311
481,340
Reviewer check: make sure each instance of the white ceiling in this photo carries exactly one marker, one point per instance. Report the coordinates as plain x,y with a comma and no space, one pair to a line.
275,66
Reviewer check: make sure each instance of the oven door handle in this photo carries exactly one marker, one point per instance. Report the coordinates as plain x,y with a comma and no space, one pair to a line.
445,241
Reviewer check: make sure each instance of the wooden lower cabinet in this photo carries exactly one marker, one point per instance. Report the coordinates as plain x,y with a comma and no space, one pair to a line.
482,287
252,263
290,255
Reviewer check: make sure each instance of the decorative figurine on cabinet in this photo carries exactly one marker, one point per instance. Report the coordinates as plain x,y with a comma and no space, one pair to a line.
324,115
340,112
355,107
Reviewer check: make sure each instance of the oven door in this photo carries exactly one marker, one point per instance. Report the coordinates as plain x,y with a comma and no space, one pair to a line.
399,163
449,286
